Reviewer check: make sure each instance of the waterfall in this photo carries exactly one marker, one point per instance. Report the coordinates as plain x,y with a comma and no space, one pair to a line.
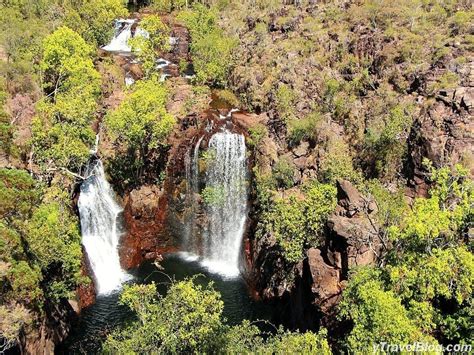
226,209
100,226
123,32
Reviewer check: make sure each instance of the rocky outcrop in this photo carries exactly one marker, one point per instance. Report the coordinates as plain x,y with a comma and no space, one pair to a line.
85,293
324,280
444,134
52,329
144,216
352,235
351,239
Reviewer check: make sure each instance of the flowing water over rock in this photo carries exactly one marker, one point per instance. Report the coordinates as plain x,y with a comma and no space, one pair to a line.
225,204
101,229
123,32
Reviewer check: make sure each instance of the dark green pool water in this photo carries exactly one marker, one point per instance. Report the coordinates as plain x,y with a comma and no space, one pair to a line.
97,320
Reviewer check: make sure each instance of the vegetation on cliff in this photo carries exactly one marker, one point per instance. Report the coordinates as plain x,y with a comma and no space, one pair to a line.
359,91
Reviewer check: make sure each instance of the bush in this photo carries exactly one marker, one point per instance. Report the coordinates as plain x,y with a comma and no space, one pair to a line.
284,173
303,129
298,220
147,48
210,48
61,132
257,133
189,320
213,196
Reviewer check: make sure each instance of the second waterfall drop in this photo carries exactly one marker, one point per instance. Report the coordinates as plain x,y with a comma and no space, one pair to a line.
225,179
100,226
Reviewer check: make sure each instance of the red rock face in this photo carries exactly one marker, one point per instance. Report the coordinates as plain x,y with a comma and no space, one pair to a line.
85,294
144,216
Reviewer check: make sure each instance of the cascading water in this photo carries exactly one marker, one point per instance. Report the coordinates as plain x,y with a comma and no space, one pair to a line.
226,205
123,32
100,226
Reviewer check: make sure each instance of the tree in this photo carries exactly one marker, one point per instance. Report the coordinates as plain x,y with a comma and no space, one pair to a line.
210,47
147,47
94,19
377,314
189,320
62,135
141,122
297,220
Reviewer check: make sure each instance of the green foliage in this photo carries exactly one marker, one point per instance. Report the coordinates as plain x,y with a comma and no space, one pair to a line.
296,343
285,100
139,126
189,320
12,320
297,220
61,132
25,281
386,141
391,205
206,159
377,314
213,196
437,221
210,48
445,273
257,133
54,240
284,173
169,5
147,48
93,19
337,163
141,120
303,129
18,194
429,273
40,251
228,97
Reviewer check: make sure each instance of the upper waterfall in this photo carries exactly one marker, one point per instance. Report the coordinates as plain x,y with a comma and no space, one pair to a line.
100,226
225,206
123,32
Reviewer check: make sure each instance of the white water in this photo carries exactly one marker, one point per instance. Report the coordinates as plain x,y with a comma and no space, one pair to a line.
129,80
123,32
100,227
223,232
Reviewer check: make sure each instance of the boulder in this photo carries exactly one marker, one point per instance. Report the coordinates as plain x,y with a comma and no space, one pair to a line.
144,216
301,150
349,197
324,280
352,238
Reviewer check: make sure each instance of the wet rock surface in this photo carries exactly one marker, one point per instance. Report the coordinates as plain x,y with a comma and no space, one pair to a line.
144,216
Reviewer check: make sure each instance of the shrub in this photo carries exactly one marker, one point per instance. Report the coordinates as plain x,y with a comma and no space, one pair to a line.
298,220
303,129
210,48
284,173
147,48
